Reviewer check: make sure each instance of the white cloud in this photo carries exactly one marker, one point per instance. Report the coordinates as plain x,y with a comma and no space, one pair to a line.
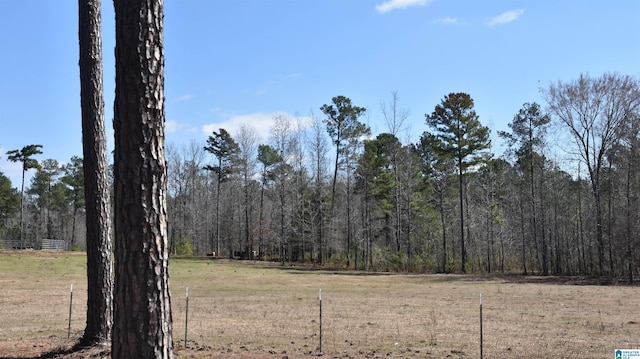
446,20
261,122
185,97
293,75
171,126
265,88
505,17
399,4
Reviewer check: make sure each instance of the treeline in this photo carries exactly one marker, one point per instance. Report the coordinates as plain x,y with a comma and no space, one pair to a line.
562,199
52,206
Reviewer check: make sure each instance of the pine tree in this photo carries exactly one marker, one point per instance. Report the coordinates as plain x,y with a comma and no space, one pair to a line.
462,137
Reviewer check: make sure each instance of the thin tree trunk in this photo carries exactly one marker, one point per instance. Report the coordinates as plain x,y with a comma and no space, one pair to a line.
463,250
490,241
217,247
22,208
335,174
73,227
247,239
534,216
543,233
282,235
396,202
370,236
581,229
96,189
444,233
628,235
321,243
348,216
558,257
599,240
610,219
318,190
261,220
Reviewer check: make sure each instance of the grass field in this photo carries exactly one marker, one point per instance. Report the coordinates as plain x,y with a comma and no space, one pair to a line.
258,310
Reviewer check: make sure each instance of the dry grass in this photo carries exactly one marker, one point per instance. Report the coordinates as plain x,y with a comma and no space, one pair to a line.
257,310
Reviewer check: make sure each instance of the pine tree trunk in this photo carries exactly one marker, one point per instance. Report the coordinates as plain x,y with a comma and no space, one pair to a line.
463,251
217,247
444,232
142,302
97,196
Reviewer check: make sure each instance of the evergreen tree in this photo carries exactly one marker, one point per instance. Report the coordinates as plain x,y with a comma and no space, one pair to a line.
24,156
73,179
528,129
269,157
343,127
462,137
438,170
225,149
42,187
9,199
345,130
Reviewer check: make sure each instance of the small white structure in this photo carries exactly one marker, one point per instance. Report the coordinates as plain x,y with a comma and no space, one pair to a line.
54,244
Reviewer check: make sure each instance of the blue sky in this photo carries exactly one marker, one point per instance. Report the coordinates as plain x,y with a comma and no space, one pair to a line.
230,62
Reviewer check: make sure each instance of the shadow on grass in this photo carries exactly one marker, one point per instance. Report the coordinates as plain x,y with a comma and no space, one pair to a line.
306,268
69,350
456,277
562,280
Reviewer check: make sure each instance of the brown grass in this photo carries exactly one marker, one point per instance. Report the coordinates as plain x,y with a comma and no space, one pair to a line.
258,310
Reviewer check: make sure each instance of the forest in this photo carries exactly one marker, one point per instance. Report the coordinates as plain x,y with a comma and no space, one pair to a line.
563,197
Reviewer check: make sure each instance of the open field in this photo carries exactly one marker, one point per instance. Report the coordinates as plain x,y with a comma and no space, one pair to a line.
259,310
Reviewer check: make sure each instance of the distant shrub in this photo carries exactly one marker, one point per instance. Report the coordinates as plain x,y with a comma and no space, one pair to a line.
451,265
184,247
74,248
399,262
422,264
338,261
468,268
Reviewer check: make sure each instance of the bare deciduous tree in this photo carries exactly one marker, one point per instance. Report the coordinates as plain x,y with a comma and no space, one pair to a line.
593,109
247,161
318,148
394,117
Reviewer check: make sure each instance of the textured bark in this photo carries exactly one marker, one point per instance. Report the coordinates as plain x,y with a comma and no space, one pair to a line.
98,220
142,303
